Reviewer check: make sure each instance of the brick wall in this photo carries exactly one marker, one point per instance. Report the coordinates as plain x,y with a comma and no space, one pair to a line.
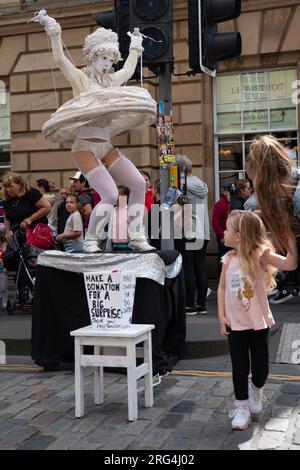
25,58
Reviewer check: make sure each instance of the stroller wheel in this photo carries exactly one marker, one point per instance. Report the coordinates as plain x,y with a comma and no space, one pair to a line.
10,307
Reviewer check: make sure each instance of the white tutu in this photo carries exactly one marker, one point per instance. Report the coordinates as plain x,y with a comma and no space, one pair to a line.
120,109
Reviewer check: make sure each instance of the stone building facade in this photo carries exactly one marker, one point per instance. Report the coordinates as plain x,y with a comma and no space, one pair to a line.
271,41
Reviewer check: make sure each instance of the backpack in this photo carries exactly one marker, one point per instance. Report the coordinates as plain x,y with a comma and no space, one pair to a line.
40,236
93,196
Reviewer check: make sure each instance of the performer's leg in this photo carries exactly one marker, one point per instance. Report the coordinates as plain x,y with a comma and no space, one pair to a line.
99,179
124,172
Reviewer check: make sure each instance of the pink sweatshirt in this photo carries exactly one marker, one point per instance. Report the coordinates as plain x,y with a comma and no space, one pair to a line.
246,304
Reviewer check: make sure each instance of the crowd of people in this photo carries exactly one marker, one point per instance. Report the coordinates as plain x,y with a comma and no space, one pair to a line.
254,252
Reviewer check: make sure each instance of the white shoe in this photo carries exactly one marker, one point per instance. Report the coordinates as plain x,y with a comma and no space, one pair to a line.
256,399
241,418
90,245
138,242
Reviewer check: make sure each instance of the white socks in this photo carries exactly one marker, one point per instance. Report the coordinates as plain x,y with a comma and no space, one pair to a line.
102,182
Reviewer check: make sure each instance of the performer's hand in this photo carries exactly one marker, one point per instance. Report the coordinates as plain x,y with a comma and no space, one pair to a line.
136,41
50,24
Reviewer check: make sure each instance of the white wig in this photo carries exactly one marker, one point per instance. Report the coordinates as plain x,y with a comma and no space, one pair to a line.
101,42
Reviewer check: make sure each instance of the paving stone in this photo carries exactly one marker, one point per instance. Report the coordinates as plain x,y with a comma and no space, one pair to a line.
18,407
44,419
195,395
175,443
202,414
184,407
296,438
177,391
58,427
30,413
36,442
84,444
239,440
153,439
222,392
102,434
291,388
277,424
16,437
119,443
170,421
64,442
212,402
286,399
88,422
189,429
135,428
9,425
214,434
281,411
271,440
298,423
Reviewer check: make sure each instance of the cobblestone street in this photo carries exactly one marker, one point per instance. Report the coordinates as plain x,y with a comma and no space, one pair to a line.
190,413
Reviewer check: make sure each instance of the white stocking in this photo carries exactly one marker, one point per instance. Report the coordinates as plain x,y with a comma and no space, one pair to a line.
125,173
102,182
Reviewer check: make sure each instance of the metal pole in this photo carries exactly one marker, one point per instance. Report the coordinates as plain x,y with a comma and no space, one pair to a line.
165,108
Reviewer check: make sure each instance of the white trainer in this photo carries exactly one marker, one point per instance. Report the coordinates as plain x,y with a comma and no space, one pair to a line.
90,245
241,418
138,242
256,399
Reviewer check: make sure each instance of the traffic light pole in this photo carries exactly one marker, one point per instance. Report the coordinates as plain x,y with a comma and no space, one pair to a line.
165,108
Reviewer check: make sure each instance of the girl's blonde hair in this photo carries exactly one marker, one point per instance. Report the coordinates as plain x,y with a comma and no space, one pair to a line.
10,178
253,242
272,167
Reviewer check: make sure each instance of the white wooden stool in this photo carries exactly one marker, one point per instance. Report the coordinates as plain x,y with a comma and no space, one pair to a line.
127,338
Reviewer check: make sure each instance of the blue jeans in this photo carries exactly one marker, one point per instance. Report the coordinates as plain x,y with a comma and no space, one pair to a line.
73,247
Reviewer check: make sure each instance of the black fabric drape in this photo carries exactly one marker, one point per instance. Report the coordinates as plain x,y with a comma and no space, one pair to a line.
60,306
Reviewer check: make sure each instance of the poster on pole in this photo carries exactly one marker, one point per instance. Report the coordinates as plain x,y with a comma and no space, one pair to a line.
110,297
166,142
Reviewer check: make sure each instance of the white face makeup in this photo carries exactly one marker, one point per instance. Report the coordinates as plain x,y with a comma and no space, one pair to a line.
103,63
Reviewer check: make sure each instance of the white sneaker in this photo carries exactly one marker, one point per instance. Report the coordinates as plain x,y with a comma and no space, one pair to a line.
241,418
90,245
138,242
256,399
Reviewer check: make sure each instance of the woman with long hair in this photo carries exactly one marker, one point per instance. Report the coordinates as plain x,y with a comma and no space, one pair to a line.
274,179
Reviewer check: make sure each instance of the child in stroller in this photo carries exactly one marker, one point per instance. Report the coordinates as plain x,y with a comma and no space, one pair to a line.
21,258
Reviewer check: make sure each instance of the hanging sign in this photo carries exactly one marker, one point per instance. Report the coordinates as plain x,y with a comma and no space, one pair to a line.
110,298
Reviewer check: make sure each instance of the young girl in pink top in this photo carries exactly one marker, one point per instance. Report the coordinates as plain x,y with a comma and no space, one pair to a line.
244,314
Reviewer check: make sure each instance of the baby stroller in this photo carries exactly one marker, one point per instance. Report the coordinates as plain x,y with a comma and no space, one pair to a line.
21,258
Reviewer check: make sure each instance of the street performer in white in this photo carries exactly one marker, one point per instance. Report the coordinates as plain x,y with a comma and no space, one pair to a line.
100,109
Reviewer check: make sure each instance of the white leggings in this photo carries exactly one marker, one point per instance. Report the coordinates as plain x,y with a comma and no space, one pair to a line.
105,181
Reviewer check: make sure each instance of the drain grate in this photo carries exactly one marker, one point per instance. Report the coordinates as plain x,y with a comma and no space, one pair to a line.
289,343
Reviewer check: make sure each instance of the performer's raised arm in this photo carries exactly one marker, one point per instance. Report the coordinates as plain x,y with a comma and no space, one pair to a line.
53,29
135,50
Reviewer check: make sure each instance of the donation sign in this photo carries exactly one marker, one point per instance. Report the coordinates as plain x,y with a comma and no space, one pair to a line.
110,298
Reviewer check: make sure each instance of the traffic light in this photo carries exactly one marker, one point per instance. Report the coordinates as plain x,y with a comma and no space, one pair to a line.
206,45
117,20
155,20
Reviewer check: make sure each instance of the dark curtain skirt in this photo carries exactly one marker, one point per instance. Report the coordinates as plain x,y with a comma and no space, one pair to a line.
60,306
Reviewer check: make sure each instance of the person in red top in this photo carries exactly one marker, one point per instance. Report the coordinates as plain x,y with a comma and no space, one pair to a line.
149,194
220,213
